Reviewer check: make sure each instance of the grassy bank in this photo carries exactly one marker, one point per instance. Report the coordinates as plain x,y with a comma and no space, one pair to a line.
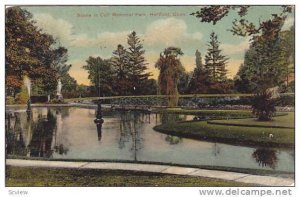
287,121
20,176
220,114
282,137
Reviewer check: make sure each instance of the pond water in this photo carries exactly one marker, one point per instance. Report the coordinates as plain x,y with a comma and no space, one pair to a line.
70,133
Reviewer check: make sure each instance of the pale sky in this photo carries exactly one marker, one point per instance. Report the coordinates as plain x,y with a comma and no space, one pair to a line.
97,30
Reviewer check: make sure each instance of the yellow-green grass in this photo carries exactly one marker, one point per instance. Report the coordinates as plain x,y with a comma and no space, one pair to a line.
287,121
231,134
29,176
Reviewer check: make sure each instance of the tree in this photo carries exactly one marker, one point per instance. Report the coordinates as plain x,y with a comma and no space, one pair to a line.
170,69
215,62
267,63
199,80
241,80
120,63
215,67
100,75
287,40
28,51
183,82
137,64
69,86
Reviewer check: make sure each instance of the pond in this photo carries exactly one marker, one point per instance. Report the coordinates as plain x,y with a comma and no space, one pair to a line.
70,133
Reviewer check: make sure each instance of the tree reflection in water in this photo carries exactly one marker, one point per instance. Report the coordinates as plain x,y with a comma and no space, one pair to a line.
15,143
265,157
43,130
130,128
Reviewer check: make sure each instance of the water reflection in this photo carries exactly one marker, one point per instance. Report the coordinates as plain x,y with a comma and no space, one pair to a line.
131,124
36,134
173,139
265,157
70,133
216,149
43,130
99,131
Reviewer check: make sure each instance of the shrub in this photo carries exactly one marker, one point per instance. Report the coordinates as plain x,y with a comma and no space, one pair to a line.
22,97
10,100
263,106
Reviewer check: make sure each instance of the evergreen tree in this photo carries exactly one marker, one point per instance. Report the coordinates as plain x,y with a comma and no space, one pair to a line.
120,63
137,63
215,62
199,77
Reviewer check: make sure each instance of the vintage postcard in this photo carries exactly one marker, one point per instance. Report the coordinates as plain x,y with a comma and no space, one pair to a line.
140,95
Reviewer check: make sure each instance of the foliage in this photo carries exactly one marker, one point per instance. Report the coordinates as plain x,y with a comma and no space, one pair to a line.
137,63
120,63
9,100
241,82
263,106
241,27
29,51
48,80
22,97
100,75
183,83
198,82
170,70
215,62
13,83
69,84
266,60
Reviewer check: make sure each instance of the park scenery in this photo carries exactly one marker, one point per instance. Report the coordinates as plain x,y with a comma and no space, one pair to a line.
150,95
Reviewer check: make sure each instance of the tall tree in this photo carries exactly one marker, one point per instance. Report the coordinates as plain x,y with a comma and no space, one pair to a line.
215,62
287,40
100,75
170,69
121,64
28,51
198,82
267,66
137,63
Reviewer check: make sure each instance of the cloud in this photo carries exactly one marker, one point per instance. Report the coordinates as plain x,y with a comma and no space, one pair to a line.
105,39
169,32
233,49
288,23
64,32
58,28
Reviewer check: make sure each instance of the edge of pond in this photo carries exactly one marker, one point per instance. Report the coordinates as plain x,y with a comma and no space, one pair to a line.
229,141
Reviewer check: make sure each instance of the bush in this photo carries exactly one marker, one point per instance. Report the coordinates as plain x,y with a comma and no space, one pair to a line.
22,97
10,100
263,106
286,100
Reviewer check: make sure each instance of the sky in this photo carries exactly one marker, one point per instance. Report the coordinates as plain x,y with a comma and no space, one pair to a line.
97,30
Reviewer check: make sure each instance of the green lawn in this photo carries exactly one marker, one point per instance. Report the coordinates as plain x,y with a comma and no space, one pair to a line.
20,177
220,114
232,134
287,121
